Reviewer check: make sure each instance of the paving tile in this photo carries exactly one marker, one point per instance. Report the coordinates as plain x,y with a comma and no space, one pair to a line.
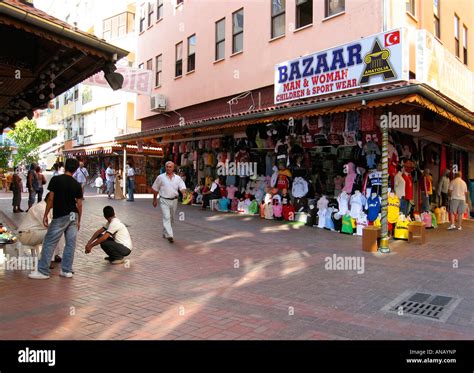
279,270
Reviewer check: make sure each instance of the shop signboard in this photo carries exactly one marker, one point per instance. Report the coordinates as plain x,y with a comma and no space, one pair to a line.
134,80
377,59
437,67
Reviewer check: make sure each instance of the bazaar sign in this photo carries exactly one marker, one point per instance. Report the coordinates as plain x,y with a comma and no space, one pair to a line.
376,59
134,80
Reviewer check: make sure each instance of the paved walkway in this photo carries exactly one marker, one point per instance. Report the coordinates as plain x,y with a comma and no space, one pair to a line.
235,277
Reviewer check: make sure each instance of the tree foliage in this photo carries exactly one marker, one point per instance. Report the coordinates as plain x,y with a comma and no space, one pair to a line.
5,153
28,138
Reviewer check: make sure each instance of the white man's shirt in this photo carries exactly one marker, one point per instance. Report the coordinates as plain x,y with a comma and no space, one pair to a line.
119,232
110,174
458,189
81,175
33,221
130,172
168,188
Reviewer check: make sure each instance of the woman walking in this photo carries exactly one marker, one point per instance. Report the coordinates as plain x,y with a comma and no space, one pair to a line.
118,186
16,187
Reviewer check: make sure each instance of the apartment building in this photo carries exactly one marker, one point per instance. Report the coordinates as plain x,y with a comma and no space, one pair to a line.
214,65
89,117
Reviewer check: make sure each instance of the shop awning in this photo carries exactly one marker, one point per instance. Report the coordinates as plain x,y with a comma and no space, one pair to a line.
113,147
381,96
42,57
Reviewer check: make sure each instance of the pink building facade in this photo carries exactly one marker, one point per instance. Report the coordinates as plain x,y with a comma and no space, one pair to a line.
216,66
252,66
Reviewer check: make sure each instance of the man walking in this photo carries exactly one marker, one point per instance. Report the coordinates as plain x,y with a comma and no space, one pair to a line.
130,182
457,192
110,177
32,185
65,198
113,238
81,176
167,186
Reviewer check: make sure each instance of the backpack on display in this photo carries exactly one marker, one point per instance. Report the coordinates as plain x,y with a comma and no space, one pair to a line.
347,227
277,211
234,205
288,212
269,211
401,229
426,219
434,221
262,210
253,207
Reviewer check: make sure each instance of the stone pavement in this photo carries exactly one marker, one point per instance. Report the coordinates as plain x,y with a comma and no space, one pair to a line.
236,277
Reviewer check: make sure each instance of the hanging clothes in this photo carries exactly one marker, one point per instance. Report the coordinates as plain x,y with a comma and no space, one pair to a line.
373,206
393,208
357,203
300,187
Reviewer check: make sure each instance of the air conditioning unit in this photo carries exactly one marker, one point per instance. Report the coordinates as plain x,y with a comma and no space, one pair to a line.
158,103
80,139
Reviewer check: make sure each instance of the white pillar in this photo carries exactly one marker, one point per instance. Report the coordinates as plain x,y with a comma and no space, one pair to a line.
124,169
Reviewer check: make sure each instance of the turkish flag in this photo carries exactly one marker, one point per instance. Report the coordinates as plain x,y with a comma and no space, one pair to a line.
392,38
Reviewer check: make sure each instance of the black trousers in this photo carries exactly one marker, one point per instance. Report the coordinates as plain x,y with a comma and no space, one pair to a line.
207,197
114,250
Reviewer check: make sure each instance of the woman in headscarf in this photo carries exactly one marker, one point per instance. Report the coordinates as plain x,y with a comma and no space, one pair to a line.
16,187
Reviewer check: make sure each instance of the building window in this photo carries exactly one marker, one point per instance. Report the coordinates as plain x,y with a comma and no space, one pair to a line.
304,13
179,60
464,44
278,18
238,31
456,35
141,66
130,22
333,7
56,101
410,6
159,10
122,25
76,93
107,29
220,39
159,68
118,26
192,53
151,10
142,18
437,24
149,64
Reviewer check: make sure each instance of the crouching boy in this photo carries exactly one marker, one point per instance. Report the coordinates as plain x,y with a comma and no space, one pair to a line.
113,238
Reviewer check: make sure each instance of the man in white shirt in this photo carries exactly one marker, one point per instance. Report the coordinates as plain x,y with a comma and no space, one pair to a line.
110,179
214,193
81,176
113,238
130,182
31,231
167,186
457,193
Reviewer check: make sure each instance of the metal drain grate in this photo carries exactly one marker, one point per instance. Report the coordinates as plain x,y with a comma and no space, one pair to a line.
431,306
